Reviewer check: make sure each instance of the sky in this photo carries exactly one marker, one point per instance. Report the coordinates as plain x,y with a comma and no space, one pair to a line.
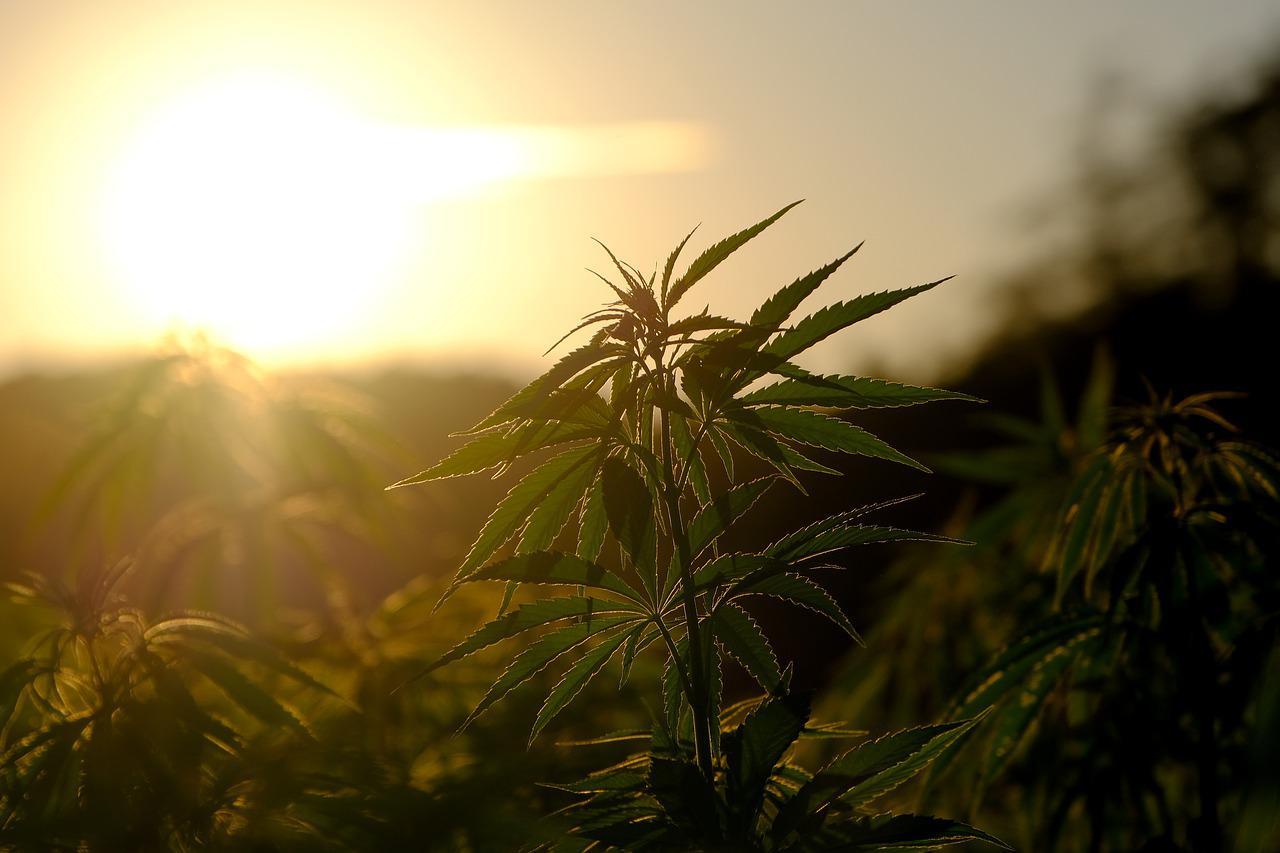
363,182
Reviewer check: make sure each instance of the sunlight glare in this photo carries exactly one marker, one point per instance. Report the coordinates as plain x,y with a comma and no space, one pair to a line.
258,208
269,213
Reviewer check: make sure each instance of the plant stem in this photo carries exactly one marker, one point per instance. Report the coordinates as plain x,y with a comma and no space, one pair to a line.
698,697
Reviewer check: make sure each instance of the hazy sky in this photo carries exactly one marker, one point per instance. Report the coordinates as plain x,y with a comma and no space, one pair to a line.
403,214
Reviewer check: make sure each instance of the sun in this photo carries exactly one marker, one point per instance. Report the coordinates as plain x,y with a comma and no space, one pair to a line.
275,216
259,208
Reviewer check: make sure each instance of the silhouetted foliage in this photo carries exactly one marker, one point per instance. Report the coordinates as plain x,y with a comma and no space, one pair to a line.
638,417
1114,622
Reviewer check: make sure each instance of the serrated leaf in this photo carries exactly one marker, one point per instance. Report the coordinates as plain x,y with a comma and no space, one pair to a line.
555,567
593,523
841,315
561,372
848,392
786,459
1008,669
777,309
691,457
555,507
1107,528
501,446
713,256
524,618
819,430
669,267
629,654
629,778
729,567
1017,715
703,322
866,772
804,592
574,680
755,748
715,518
628,503
541,654
794,540
723,450
513,510
233,639
849,536
1080,517
742,638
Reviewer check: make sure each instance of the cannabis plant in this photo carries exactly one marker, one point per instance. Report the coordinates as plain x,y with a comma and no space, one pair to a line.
946,611
221,479
119,732
638,419
1142,667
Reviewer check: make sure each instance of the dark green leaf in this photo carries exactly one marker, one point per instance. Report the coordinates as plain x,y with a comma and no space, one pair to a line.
754,749
629,504
525,497
501,446
841,315
723,510
819,430
712,257
848,392
848,536
525,617
245,693
539,389
554,567
777,309
866,772
1017,715
574,680
804,592
539,655
743,639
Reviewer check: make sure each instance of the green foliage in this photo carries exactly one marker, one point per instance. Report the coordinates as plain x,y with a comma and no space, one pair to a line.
1161,550
1114,622
639,417
215,475
129,720
131,734
759,799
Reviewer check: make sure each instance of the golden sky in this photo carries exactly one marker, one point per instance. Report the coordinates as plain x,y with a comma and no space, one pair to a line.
370,180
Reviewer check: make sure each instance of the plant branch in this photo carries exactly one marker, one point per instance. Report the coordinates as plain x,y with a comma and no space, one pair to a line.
697,697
